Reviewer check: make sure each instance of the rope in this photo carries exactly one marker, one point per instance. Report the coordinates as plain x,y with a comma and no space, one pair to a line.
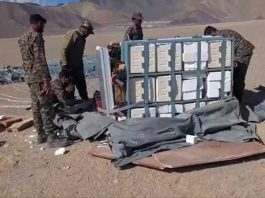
18,101
17,88
16,107
22,99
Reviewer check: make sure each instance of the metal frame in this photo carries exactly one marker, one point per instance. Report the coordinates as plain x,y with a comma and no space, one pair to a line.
107,96
146,43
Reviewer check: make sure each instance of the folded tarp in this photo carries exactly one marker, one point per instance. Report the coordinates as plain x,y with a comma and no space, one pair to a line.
135,139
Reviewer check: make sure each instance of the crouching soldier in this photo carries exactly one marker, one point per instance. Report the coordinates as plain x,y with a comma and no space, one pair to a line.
63,89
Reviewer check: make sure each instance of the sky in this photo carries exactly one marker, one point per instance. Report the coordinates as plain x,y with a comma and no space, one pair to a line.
42,2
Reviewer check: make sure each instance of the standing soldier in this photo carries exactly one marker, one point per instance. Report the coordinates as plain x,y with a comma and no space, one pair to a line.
72,55
38,79
243,51
135,31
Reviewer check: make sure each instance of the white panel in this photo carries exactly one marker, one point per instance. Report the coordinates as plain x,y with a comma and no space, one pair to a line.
191,52
189,83
166,109
192,95
164,57
163,92
137,59
228,54
137,90
178,59
105,76
140,112
213,89
152,58
189,106
163,109
193,66
179,108
215,54
214,83
165,115
214,76
228,81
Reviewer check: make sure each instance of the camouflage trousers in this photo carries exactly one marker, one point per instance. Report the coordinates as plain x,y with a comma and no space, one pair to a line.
240,73
42,109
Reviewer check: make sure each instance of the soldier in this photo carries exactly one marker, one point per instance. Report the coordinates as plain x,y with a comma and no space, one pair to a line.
72,55
63,89
243,51
114,50
38,78
135,31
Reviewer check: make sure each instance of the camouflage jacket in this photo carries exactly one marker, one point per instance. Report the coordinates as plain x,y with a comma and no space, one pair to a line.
31,45
73,49
61,95
243,48
133,33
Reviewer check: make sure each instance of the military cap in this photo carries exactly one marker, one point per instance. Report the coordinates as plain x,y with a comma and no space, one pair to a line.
113,44
88,25
36,18
137,16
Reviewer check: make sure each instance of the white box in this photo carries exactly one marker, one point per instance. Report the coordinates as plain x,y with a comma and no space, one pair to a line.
164,57
213,92
214,84
166,109
192,95
179,108
137,59
191,139
191,106
165,115
214,76
190,84
214,54
163,92
194,66
228,62
137,90
191,52
163,109
140,112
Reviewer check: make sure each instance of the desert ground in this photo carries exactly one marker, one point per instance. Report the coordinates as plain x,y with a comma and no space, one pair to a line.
27,171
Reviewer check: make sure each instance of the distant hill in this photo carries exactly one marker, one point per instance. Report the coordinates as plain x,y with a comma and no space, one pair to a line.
14,16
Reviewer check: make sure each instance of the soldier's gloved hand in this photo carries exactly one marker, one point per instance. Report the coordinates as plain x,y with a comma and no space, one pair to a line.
47,88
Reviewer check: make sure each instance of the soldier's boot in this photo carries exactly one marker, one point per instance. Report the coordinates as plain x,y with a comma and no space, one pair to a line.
42,138
54,141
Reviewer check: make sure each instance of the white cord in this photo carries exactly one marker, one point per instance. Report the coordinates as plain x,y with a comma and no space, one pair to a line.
16,107
22,99
18,101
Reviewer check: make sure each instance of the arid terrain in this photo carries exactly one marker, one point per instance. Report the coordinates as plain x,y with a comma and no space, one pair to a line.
27,171
117,13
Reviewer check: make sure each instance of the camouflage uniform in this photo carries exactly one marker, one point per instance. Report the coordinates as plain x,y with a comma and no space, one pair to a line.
61,95
36,69
133,33
72,56
243,51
